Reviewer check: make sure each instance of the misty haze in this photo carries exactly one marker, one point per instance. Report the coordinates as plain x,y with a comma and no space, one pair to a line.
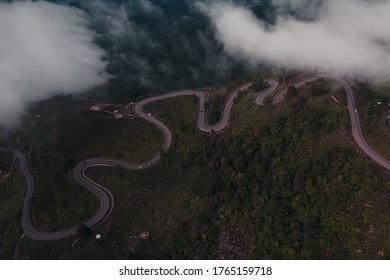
195,129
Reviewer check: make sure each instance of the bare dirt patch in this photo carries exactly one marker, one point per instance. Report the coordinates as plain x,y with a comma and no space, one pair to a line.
231,245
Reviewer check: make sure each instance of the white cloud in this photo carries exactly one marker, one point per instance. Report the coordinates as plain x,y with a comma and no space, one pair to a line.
149,7
348,37
45,49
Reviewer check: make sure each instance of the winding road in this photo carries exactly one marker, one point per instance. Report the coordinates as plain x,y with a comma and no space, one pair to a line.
259,98
105,197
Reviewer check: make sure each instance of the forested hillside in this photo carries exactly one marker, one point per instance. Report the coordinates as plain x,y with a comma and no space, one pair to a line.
283,182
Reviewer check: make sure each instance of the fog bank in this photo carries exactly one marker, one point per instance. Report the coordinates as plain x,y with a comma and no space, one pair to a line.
45,49
346,37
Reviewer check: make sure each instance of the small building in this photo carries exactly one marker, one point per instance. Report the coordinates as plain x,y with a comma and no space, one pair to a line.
98,236
119,116
95,108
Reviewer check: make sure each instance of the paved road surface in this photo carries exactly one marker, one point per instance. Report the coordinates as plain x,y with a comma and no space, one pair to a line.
259,99
201,122
356,128
105,197
282,94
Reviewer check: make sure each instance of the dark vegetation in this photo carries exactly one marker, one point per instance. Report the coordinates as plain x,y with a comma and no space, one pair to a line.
281,183
258,85
291,92
214,108
84,231
218,98
5,163
11,195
